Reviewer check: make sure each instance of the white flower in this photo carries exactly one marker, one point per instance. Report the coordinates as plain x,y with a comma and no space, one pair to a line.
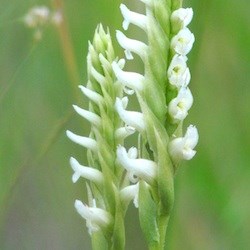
178,72
85,172
131,45
132,17
179,106
37,16
182,43
96,218
92,95
86,142
89,116
182,148
129,193
181,18
131,118
129,79
143,168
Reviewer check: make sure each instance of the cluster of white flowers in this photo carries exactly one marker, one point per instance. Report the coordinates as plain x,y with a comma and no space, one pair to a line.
179,78
40,16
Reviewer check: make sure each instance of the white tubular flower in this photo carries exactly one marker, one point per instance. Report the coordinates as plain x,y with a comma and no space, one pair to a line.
182,148
131,45
182,17
129,79
178,108
129,193
131,118
182,43
86,172
96,218
92,95
132,17
178,72
83,141
123,132
143,168
89,116
98,77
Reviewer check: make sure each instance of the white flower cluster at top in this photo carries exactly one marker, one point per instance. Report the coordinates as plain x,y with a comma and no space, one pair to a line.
40,16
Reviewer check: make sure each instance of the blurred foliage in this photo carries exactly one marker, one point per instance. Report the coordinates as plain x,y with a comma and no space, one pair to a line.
212,209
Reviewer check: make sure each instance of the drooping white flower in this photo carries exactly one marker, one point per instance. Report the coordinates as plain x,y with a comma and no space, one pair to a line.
88,115
178,107
182,148
182,17
86,172
133,17
131,118
129,79
143,168
131,45
178,72
129,193
92,95
182,43
96,218
86,142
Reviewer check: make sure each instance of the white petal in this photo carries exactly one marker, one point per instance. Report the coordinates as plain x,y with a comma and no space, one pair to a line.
83,141
131,118
92,95
129,79
182,43
178,108
133,153
142,168
130,193
90,116
133,17
85,172
131,45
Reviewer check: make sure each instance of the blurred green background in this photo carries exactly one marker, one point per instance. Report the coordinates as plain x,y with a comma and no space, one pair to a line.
212,208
